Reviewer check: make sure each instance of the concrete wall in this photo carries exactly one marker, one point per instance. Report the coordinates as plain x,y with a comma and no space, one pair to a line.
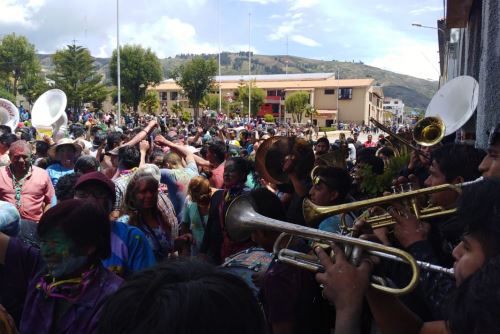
356,109
322,101
488,110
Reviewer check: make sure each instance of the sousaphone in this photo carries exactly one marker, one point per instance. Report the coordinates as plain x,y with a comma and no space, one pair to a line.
450,108
49,116
9,114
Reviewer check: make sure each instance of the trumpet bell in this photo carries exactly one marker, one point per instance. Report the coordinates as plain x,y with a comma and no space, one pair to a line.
429,131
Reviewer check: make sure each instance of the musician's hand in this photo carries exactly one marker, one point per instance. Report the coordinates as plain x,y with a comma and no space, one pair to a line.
289,164
408,228
413,163
344,284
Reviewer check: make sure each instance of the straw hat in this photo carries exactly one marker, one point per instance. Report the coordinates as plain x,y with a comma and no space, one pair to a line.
64,141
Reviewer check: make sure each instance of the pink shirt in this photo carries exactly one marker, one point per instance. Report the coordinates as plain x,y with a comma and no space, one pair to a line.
36,193
217,179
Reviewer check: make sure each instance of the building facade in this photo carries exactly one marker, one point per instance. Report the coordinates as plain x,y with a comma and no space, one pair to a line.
469,44
335,100
396,107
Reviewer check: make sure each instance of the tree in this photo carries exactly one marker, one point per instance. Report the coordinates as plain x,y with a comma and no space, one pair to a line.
151,102
17,58
33,85
296,104
211,101
76,75
177,109
139,69
258,97
196,77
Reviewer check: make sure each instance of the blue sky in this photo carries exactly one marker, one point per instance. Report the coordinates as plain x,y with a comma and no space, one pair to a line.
377,32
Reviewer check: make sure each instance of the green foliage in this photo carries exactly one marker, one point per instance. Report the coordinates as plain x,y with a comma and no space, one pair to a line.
151,102
33,85
76,75
258,96
376,184
297,104
139,68
4,94
186,116
327,128
211,101
196,77
17,59
177,109
269,118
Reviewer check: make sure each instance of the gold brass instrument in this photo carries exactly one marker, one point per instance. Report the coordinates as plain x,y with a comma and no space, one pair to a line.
313,213
273,152
242,219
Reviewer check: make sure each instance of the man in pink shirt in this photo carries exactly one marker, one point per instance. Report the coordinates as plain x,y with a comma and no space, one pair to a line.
27,187
369,142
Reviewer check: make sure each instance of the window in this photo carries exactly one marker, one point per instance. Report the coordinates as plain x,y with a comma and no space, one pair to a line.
329,91
163,96
174,96
271,93
396,102
370,96
345,94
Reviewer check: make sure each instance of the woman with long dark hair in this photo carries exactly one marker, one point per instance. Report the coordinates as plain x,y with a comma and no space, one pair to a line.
152,212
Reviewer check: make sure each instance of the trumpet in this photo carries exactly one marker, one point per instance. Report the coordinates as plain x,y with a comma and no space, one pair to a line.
314,212
241,219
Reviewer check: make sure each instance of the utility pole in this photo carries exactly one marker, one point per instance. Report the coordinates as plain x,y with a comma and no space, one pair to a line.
220,89
119,109
249,67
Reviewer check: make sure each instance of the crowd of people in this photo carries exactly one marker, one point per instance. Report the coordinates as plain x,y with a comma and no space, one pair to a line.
122,229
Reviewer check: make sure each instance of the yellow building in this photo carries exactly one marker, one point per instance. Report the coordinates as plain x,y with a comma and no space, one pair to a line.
344,100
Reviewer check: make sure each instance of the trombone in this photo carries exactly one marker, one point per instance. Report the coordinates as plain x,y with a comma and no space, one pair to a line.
314,212
428,131
241,219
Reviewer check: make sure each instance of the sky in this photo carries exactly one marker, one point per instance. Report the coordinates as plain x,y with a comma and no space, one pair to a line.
376,32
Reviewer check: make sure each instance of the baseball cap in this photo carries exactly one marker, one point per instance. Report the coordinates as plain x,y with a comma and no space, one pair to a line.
97,178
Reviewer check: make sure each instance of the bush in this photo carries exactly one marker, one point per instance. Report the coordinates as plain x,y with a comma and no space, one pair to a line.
330,128
269,118
186,116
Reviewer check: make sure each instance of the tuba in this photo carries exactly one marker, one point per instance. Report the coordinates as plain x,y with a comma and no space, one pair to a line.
9,114
49,116
450,108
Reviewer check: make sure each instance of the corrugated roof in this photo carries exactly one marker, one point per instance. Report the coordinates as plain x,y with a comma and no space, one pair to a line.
289,84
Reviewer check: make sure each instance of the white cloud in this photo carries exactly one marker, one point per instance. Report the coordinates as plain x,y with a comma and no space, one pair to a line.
167,37
301,4
262,2
284,29
304,40
19,12
420,60
425,9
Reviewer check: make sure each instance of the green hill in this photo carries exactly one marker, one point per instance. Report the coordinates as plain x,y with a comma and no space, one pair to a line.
415,92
